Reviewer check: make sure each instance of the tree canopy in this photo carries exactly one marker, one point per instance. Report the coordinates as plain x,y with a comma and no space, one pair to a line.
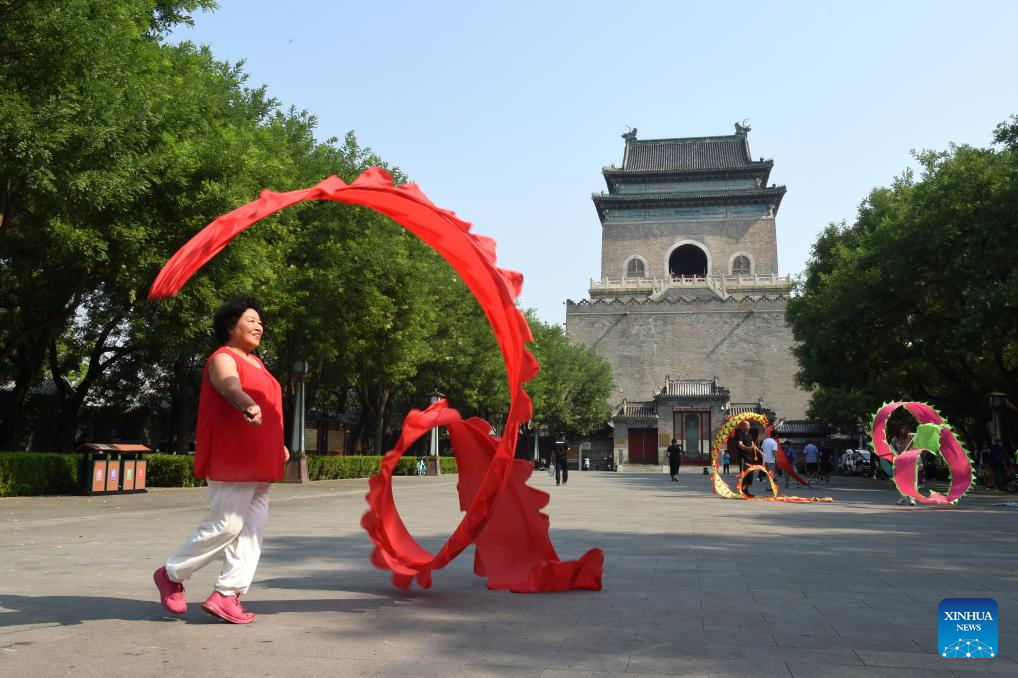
918,298
116,147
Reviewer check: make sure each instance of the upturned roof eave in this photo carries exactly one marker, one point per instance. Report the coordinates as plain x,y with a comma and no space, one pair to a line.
760,170
771,195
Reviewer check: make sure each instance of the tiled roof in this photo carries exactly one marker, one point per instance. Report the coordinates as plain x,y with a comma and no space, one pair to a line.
696,153
802,427
758,168
740,408
728,195
693,388
635,410
747,196
47,387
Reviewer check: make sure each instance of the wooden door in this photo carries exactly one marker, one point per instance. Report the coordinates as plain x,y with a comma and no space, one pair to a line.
643,446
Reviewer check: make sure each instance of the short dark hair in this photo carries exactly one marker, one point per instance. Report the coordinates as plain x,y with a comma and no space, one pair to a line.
228,314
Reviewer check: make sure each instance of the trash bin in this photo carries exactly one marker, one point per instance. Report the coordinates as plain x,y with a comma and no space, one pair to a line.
127,471
93,474
109,468
133,468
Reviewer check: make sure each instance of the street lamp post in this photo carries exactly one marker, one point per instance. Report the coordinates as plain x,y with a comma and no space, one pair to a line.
535,429
435,397
297,467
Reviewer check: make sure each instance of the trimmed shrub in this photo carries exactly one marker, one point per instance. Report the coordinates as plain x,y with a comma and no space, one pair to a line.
333,468
35,473
40,473
171,470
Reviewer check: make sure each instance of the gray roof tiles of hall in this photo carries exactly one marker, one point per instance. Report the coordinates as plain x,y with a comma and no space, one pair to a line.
802,427
635,410
693,153
740,408
693,388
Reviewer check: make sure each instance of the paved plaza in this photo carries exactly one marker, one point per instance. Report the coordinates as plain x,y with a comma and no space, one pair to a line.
693,586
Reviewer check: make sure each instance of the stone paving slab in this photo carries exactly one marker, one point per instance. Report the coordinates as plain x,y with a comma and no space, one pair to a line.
694,586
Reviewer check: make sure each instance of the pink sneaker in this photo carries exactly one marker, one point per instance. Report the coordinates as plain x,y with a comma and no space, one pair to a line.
227,608
171,593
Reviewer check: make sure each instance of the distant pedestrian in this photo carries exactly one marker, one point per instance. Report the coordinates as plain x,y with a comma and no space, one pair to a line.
748,452
759,460
674,459
899,443
561,462
732,447
726,459
997,463
826,456
770,449
239,452
812,453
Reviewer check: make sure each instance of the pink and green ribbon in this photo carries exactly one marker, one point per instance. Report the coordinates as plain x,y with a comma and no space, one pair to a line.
933,435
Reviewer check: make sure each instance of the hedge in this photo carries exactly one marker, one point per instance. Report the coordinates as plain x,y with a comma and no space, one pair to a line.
171,470
333,468
32,473
40,473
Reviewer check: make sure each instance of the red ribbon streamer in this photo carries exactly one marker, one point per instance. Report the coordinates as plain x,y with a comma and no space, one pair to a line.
502,513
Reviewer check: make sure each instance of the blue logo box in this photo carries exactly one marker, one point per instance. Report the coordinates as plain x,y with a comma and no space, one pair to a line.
967,628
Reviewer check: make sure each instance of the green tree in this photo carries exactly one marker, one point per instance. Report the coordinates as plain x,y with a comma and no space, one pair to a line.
84,99
918,298
572,389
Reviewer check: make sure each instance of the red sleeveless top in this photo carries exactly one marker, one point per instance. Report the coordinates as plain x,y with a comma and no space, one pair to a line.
227,447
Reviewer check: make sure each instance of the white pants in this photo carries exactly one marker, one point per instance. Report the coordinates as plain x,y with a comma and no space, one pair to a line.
234,527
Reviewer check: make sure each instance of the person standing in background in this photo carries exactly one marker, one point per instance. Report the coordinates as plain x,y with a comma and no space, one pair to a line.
561,462
811,460
674,459
770,449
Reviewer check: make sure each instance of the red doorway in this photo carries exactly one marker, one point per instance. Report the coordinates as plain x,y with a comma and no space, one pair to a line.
643,446
693,429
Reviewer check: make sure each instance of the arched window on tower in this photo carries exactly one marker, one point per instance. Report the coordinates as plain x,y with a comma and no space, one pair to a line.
636,268
741,265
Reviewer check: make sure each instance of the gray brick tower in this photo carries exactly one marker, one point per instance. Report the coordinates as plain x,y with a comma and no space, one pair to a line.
689,309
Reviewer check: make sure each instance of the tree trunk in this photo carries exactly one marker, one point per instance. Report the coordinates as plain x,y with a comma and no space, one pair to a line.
67,425
375,399
28,361
184,401
71,398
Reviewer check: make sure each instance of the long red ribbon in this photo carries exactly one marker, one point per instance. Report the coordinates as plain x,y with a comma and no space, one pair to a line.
492,486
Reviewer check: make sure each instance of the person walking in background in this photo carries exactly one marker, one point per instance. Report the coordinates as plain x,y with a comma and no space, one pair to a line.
561,462
674,459
726,459
239,451
811,460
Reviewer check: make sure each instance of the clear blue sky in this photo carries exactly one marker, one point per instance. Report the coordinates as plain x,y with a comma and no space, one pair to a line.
506,112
